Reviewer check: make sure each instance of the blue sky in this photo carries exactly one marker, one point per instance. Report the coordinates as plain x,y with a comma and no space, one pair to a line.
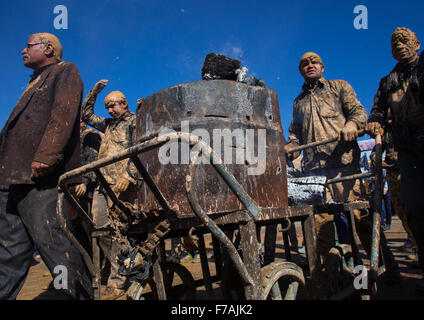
145,46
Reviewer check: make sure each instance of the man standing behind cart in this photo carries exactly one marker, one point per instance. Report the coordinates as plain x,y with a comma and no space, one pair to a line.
119,133
402,92
326,109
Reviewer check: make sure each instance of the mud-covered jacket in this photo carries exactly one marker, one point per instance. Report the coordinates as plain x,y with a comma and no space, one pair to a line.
321,113
119,134
402,91
44,127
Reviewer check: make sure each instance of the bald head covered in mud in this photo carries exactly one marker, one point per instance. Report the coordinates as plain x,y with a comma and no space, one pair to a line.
405,45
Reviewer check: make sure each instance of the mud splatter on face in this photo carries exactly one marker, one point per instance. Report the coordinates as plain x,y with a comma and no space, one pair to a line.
114,97
311,67
405,45
310,57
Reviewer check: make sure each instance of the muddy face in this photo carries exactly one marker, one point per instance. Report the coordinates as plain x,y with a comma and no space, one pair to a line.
116,109
311,69
404,45
116,104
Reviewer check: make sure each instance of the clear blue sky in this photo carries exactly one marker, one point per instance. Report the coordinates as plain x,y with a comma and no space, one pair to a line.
145,46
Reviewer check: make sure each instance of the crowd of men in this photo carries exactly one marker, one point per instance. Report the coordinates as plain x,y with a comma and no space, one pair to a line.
47,130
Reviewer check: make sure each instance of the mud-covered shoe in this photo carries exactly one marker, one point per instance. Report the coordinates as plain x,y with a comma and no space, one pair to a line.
113,294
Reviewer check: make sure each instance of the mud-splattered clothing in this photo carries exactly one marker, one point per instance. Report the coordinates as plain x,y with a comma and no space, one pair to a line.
43,127
393,178
402,92
320,113
119,134
394,181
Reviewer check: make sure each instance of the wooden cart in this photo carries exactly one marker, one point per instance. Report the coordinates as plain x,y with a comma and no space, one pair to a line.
215,198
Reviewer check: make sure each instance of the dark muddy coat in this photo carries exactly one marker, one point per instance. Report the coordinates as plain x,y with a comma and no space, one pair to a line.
43,127
402,92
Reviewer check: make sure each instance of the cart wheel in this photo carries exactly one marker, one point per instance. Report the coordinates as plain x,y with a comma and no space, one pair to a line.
178,281
339,269
283,281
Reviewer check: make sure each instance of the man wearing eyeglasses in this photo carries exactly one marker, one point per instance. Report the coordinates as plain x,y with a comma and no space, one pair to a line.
38,143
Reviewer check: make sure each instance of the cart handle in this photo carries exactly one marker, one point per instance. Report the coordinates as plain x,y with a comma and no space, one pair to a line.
320,143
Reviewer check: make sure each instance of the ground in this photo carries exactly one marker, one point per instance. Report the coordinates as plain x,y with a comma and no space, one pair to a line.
39,277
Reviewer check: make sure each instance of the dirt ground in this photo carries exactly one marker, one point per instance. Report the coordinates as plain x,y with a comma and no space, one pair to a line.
39,278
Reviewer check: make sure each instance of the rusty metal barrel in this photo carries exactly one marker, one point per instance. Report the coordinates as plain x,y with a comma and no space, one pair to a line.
233,118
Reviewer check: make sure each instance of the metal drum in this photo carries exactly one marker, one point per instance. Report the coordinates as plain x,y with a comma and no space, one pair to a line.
205,108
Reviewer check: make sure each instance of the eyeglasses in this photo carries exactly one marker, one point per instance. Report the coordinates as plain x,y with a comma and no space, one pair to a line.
29,45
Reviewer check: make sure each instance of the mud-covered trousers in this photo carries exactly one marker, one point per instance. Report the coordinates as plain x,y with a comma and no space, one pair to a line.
342,192
27,218
393,181
412,194
110,246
